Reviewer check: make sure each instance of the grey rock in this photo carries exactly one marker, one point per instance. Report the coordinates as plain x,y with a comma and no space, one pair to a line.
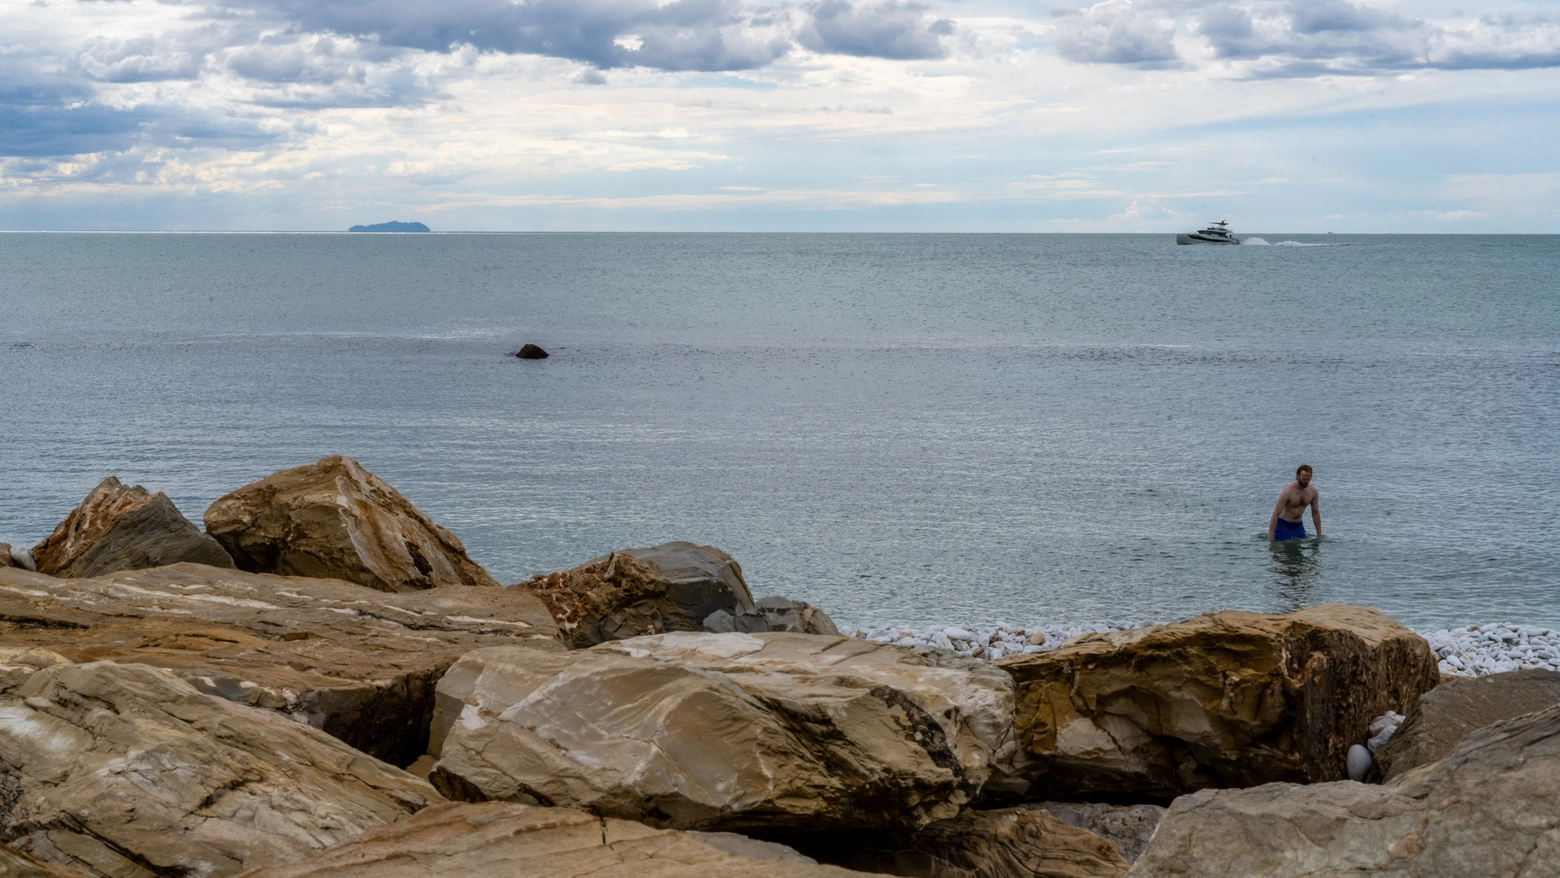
1487,809
123,528
1449,712
777,614
126,770
992,844
720,622
1129,827
1358,762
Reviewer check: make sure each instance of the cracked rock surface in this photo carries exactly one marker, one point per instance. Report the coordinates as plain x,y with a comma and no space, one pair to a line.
335,519
358,663
512,839
1227,699
1446,714
124,528
1490,808
728,731
128,771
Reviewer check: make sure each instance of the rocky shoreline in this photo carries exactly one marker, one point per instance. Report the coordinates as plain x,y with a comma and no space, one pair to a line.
322,681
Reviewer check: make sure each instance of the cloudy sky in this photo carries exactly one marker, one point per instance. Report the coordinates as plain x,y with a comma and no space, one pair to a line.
955,115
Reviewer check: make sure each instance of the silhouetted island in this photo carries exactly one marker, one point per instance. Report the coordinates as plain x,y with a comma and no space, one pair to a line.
391,227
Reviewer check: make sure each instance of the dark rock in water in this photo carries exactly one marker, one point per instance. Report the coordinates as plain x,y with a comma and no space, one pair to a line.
123,528
391,227
1448,713
531,352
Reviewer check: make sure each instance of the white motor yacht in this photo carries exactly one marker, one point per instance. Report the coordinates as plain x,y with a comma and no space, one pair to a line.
1216,233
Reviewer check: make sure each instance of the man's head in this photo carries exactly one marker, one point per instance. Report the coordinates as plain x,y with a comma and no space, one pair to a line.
1303,474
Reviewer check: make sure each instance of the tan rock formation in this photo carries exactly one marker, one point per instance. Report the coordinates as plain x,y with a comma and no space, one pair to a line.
334,519
15,864
120,528
1227,699
732,731
1128,827
126,770
19,663
359,663
1449,712
670,587
466,841
1008,843
1487,809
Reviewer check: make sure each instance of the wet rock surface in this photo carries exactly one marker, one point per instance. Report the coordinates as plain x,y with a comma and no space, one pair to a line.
1448,713
1487,809
462,841
123,528
671,587
334,519
358,663
724,731
1227,699
126,770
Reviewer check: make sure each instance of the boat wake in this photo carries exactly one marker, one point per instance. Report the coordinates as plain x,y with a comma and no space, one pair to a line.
1259,242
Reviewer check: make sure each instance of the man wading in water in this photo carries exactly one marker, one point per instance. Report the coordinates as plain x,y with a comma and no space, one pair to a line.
1285,524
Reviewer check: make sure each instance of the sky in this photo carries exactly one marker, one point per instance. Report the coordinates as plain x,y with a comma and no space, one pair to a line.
756,115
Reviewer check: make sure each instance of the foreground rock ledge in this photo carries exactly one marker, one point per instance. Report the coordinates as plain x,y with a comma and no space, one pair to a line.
356,662
126,770
335,519
124,528
783,732
1488,809
468,841
1228,699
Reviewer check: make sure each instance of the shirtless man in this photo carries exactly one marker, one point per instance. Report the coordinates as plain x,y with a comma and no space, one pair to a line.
1285,523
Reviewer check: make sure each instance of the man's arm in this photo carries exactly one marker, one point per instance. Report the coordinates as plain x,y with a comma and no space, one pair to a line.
1273,521
1316,512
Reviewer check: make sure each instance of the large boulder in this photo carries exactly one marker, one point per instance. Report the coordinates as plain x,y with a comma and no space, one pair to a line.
991,844
124,528
780,732
334,519
671,587
1229,699
1487,809
1449,712
126,770
461,841
356,662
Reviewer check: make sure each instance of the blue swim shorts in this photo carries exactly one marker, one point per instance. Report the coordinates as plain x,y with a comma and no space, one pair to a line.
1288,530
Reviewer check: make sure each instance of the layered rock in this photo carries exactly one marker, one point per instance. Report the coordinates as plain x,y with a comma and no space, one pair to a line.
1448,713
1229,699
992,844
1487,809
15,864
671,587
356,662
334,519
123,528
126,770
1128,827
773,614
783,732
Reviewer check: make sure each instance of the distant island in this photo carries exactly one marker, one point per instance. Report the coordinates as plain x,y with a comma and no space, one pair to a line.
391,227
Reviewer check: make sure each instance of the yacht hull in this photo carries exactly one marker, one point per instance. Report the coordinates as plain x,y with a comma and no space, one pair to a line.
1198,239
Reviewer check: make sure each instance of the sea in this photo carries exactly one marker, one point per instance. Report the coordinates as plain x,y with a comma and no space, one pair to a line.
900,428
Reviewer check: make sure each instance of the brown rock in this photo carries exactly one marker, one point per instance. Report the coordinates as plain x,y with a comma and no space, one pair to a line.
126,770
1227,699
359,663
531,352
1009,843
786,732
120,528
465,841
334,519
670,587
1487,809
1449,712
15,864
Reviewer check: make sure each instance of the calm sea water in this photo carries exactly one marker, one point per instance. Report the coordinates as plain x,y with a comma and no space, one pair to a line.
901,428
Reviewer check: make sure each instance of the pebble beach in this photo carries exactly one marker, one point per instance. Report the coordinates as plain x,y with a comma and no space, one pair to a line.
1469,651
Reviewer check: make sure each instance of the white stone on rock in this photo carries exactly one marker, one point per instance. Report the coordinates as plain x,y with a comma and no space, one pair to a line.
1358,762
